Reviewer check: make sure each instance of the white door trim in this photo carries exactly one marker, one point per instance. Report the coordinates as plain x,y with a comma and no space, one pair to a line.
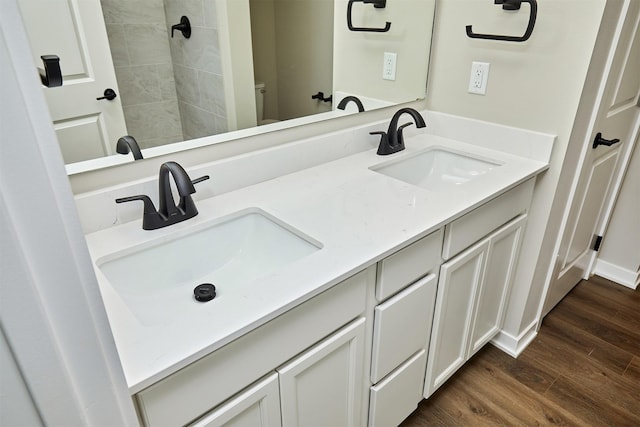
583,129
52,314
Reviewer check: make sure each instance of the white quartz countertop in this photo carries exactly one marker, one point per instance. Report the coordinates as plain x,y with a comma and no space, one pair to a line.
358,215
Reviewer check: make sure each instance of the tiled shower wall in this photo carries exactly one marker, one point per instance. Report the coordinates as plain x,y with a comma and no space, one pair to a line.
137,32
171,88
198,68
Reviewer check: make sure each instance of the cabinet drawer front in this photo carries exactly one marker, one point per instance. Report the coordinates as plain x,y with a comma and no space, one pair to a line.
194,390
399,394
470,228
408,264
259,405
402,326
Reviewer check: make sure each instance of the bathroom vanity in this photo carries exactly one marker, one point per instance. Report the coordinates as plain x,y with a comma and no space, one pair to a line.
378,285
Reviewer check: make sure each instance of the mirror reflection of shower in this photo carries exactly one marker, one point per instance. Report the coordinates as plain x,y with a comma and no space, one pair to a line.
171,87
176,89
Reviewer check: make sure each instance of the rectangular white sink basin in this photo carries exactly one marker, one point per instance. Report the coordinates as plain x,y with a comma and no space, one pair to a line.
157,280
436,169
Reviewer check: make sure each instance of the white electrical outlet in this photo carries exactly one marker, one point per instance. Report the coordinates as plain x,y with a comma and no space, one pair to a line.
479,77
389,66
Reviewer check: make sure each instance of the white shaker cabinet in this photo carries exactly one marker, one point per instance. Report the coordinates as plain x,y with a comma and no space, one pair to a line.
406,285
323,386
224,386
365,351
471,300
459,279
258,406
493,294
475,282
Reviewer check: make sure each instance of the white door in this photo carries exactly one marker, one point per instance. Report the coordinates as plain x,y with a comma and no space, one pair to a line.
617,119
324,386
304,56
74,30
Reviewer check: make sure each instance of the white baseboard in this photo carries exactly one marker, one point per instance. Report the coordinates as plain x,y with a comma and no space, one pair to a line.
513,346
617,274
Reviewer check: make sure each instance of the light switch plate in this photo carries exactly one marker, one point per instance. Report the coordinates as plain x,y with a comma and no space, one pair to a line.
479,77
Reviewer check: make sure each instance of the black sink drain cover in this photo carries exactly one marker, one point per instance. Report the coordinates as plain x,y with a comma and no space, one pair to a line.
204,292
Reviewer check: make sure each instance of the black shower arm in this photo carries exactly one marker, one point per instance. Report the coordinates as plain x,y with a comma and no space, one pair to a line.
378,4
510,5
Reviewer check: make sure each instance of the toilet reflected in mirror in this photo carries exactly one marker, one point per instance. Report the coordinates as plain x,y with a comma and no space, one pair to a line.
261,92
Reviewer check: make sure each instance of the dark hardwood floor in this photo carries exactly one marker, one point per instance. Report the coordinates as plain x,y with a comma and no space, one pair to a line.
582,369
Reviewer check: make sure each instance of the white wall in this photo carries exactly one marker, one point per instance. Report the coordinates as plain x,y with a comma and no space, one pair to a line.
263,40
619,257
304,54
234,32
535,85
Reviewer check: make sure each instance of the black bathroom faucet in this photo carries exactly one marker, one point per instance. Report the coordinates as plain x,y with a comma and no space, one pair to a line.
343,104
392,140
169,212
128,144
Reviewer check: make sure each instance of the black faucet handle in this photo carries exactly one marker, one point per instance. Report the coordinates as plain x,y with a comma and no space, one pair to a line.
400,128
401,136
200,179
404,126
151,219
148,204
384,138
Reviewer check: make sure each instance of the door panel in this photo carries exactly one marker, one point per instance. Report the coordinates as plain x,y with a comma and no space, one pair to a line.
258,406
627,89
588,210
494,291
597,183
75,31
329,375
457,288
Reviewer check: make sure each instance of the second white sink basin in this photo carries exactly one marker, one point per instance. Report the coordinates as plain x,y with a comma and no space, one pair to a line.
157,279
436,169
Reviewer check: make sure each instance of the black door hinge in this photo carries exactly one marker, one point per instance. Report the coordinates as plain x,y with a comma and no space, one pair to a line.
595,243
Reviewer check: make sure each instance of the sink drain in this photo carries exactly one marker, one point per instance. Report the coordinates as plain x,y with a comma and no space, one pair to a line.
204,292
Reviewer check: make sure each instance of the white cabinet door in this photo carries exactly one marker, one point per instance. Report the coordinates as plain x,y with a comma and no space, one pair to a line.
258,406
459,281
324,386
504,247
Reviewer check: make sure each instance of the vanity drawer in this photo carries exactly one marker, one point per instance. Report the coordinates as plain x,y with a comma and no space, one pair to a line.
189,393
409,264
402,326
393,399
470,228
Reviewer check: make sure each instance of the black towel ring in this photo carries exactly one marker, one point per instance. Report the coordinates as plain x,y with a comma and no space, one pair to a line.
510,5
378,4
